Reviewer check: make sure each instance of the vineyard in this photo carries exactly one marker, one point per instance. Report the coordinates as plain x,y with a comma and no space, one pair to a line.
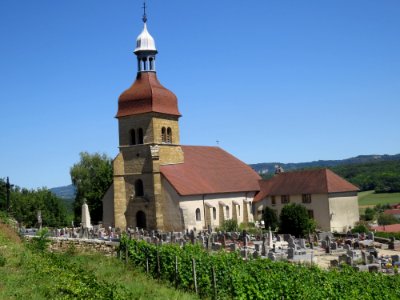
225,275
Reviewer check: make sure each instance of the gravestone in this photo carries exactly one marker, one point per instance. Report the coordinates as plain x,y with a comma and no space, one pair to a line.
324,244
346,247
334,263
256,254
349,260
370,236
395,258
364,258
302,243
334,246
373,268
343,258
272,256
370,259
290,252
233,247
291,242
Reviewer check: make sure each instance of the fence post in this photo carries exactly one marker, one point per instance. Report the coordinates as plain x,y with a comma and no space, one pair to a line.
214,282
176,271
158,264
194,274
126,253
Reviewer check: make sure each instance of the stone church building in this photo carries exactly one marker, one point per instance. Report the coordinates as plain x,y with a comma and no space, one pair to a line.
159,183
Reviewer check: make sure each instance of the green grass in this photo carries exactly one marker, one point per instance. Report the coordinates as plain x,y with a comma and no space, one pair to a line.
27,274
371,198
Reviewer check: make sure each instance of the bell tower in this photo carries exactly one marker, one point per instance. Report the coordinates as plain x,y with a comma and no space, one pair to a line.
148,137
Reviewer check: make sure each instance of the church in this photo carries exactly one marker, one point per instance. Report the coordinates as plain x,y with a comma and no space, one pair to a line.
159,183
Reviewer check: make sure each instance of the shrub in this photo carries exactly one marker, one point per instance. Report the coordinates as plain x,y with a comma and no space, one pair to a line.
384,219
2,260
360,228
270,218
229,225
294,220
41,241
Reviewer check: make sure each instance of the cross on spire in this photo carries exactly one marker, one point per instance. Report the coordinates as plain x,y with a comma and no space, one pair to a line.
144,12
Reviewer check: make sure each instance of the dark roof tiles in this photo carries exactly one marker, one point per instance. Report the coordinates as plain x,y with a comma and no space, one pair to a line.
210,170
147,95
321,181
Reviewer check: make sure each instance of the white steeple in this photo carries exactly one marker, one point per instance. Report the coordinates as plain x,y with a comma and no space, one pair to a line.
145,41
145,48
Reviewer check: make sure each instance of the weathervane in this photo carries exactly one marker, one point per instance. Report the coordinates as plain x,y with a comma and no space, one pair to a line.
144,12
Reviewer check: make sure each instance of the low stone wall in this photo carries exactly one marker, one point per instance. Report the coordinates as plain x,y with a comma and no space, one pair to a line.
83,245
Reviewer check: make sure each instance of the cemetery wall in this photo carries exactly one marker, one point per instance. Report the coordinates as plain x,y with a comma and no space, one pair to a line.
108,248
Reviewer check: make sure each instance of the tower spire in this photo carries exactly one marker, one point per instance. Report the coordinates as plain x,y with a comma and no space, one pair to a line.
144,12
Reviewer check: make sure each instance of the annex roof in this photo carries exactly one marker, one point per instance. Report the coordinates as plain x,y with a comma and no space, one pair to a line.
392,212
210,170
147,95
387,228
320,181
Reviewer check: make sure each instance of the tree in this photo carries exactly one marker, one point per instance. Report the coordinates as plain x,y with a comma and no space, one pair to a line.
294,220
384,219
92,176
369,214
270,218
2,194
25,205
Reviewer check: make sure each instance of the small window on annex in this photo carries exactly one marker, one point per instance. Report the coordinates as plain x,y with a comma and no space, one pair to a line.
310,213
306,198
227,212
139,190
198,214
214,213
273,200
285,199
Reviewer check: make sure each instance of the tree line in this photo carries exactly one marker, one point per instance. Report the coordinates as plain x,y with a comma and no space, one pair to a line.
383,177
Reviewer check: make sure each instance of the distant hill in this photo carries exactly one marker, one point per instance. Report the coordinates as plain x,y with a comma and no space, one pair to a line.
67,192
266,169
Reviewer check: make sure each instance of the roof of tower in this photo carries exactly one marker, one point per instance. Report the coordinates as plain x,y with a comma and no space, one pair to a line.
210,170
147,95
320,181
145,42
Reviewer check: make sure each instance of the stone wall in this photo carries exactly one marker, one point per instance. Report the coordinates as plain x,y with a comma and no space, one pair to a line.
107,248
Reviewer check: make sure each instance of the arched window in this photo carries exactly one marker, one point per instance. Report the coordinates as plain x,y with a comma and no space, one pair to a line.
198,214
151,64
133,137
163,135
139,191
140,136
227,211
239,209
169,135
214,213
144,64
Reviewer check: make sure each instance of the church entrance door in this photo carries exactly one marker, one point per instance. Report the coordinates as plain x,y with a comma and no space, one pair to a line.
141,219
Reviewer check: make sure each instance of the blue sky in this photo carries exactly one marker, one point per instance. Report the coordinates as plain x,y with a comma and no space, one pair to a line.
286,81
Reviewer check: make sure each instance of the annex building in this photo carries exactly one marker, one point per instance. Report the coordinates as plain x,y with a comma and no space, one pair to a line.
330,200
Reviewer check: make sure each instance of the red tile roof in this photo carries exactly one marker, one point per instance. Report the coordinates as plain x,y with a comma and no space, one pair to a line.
210,170
147,95
321,181
392,212
388,228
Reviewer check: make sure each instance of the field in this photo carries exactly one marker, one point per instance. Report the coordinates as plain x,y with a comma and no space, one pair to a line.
26,274
370,199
